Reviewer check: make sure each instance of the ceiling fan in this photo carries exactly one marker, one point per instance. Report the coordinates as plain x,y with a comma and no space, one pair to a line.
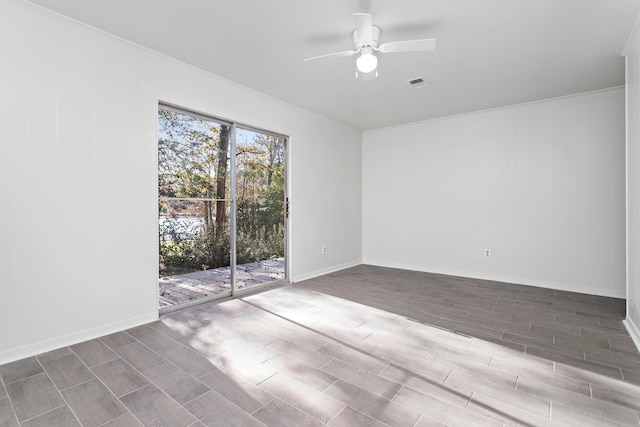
365,39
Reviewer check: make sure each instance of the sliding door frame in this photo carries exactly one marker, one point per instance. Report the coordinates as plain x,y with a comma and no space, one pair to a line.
286,279
234,292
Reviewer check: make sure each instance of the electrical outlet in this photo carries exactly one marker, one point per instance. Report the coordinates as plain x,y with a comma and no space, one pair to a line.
324,249
487,253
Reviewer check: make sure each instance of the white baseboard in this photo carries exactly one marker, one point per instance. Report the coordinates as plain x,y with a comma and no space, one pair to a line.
328,270
506,279
71,339
633,331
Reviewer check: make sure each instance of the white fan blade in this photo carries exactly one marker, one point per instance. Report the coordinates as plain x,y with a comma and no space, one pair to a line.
362,22
336,54
408,46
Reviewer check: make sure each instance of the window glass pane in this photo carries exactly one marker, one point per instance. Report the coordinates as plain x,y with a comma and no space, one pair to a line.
260,159
193,210
192,154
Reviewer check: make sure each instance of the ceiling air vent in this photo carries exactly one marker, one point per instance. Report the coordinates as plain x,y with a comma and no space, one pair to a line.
418,82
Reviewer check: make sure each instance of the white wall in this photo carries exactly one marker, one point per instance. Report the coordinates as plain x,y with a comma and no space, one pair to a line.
78,180
541,185
632,53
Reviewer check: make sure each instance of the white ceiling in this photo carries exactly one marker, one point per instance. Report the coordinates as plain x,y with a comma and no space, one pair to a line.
490,53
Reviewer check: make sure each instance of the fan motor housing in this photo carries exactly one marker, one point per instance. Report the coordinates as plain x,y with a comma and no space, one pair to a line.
375,36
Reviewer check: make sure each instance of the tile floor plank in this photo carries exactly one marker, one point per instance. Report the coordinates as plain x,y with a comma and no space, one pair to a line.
55,354
319,379
120,377
33,396
93,352
237,365
300,353
354,357
67,371
117,339
628,397
280,414
152,338
20,369
93,403
7,416
440,410
511,412
427,386
302,397
376,407
349,417
126,420
238,391
179,385
214,410
139,356
58,417
565,416
155,409
366,380
189,361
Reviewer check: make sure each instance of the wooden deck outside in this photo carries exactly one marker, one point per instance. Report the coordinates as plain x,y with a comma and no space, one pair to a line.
181,288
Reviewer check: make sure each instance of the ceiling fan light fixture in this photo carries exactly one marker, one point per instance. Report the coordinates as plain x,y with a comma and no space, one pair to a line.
365,41
367,62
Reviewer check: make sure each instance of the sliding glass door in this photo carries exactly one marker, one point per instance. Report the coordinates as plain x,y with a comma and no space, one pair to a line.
261,207
221,225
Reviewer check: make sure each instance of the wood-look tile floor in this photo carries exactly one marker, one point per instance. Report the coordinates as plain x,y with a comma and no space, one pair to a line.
366,346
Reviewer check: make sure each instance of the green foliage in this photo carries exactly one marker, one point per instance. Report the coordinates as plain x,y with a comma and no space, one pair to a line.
266,245
202,252
191,163
187,155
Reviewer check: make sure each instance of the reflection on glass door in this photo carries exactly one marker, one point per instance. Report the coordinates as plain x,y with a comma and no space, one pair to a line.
260,207
221,224
193,189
